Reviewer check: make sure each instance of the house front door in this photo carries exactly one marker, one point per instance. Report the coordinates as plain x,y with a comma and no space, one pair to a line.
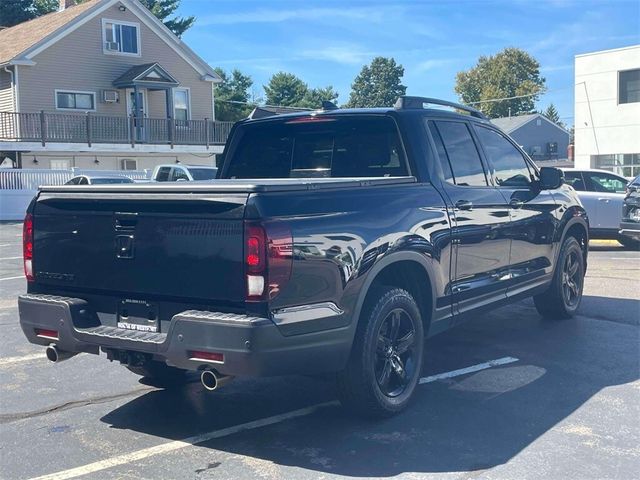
134,103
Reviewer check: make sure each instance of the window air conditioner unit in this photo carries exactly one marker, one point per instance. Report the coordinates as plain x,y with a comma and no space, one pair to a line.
112,46
129,164
110,96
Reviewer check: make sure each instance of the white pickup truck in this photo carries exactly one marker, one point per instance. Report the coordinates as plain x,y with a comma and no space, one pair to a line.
183,173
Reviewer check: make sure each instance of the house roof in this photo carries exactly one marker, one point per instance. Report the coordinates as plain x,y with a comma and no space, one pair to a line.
23,41
15,40
509,124
269,111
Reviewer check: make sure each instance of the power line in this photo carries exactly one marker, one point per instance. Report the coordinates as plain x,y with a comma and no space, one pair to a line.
540,92
507,98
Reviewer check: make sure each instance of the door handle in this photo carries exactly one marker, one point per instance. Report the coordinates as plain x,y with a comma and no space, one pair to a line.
464,205
515,203
605,200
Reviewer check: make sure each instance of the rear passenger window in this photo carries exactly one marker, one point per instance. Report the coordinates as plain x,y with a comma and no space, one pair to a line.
509,166
442,154
301,147
575,180
462,154
163,174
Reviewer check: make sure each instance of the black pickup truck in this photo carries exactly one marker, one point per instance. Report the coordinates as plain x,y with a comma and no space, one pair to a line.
332,242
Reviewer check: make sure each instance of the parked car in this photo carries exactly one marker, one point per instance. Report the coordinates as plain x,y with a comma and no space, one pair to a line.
183,173
98,180
630,224
423,218
602,194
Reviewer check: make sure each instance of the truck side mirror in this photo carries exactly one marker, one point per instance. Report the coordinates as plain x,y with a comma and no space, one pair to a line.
551,178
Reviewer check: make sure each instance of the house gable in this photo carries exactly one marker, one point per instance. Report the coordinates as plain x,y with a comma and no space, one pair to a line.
93,9
76,62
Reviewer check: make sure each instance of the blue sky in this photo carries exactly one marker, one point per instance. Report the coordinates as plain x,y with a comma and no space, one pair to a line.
327,42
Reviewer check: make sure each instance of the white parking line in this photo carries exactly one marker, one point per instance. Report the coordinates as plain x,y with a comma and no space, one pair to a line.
11,278
11,258
471,369
205,437
26,358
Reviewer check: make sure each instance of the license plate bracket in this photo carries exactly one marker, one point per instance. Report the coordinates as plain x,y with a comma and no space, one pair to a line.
138,315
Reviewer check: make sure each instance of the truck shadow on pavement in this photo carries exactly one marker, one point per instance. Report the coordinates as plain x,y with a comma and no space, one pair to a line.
469,423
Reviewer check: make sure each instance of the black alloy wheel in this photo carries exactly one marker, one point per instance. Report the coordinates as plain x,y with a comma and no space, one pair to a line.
395,353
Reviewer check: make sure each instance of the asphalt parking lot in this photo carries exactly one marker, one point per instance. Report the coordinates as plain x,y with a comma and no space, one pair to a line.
542,399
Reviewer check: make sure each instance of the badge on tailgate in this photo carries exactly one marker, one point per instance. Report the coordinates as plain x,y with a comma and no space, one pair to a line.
138,315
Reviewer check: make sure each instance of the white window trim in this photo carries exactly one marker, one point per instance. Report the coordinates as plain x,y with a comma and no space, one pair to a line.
184,89
127,159
121,22
65,90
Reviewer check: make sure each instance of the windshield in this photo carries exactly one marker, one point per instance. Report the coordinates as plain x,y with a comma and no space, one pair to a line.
203,173
104,181
319,147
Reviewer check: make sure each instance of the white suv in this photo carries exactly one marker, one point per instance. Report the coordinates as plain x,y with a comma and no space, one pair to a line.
602,195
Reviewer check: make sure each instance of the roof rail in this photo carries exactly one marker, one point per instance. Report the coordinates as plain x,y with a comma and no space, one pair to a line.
406,102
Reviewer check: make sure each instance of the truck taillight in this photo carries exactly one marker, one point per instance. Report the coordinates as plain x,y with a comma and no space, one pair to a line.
268,259
27,247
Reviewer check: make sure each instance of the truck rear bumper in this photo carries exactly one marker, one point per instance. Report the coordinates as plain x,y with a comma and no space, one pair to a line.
249,345
630,229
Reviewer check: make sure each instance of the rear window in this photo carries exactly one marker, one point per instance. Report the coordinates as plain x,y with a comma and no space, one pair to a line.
203,173
329,147
106,181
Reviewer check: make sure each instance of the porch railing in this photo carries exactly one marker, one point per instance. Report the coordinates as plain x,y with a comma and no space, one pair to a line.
91,128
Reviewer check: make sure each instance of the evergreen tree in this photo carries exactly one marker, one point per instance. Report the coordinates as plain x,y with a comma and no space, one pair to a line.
232,96
286,90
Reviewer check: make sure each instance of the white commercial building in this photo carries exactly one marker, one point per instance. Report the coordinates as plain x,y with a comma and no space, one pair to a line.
607,110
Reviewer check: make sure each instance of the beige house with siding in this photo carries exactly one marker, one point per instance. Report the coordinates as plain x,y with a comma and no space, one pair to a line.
104,84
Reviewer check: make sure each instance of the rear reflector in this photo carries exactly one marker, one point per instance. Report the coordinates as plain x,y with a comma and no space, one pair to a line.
50,334
207,356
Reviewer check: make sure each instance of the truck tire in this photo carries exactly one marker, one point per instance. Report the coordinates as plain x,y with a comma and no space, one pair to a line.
564,295
159,374
386,358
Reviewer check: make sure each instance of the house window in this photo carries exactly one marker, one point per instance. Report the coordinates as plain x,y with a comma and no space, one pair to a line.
181,103
121,37
629,86
60,164
72,100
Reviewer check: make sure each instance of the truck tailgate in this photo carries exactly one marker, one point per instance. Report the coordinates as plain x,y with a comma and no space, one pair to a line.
153,245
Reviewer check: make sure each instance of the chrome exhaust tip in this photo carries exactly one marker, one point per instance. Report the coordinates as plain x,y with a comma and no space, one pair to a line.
56,356
212,380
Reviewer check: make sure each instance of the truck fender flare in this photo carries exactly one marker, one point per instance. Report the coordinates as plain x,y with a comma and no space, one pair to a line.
380,265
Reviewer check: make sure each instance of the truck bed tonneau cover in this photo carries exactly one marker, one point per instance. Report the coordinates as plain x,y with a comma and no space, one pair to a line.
233,185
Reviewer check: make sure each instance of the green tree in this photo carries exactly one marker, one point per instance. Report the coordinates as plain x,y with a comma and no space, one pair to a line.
13,12
378,84
232,96
552,114
286,90
315,96
165,8
510,73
